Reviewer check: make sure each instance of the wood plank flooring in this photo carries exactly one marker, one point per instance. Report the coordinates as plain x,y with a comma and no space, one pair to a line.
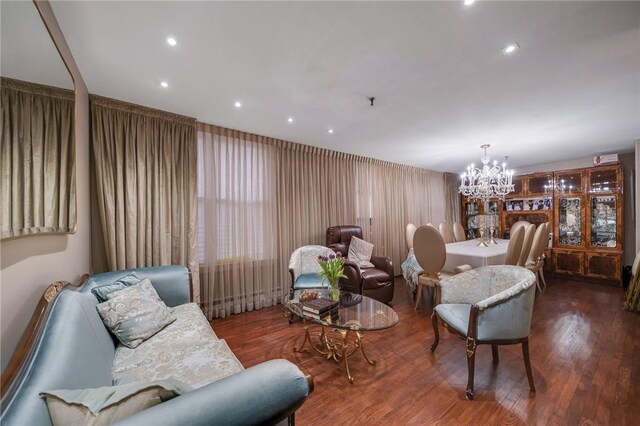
585,352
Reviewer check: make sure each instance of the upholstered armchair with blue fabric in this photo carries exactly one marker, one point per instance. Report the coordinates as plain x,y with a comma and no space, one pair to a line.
489,305
304,267
68,347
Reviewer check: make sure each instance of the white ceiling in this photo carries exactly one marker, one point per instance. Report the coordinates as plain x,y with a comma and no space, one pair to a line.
441,83
27,52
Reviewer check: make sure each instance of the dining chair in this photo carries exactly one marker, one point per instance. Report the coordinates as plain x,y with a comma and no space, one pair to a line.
458,232
517,225
447,233
409,232
430,252
431,225
515,246
535,262
545,243
491,305
527,244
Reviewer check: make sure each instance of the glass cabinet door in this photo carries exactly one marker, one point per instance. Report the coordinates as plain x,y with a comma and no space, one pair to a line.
471,213
568,183
540,184
517,187
603,180
604,221
570,221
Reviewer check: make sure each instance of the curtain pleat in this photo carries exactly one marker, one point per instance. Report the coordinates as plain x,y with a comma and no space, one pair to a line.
261,198
145,183
451,183
37,159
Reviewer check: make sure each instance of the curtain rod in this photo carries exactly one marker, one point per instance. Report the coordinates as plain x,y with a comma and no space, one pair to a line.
299,147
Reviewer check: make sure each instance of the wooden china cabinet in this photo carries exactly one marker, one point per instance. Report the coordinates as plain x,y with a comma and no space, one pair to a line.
588,227
585,208
532,200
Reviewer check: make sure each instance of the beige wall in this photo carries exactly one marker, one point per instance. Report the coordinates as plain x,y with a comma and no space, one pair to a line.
29,264
560,165
631,237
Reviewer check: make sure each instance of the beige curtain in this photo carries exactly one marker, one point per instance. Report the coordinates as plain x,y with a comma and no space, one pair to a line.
399,195
145,182
261,198
237,210
452,197
37,159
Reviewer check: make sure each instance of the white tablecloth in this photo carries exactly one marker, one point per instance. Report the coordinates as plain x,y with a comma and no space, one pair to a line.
468,252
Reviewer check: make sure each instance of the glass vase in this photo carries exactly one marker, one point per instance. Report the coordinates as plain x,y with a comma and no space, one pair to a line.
334,291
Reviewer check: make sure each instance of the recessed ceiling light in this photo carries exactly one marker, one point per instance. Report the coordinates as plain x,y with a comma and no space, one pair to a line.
330,130
290,119
164,84
510,48
237,104
469,2
172,41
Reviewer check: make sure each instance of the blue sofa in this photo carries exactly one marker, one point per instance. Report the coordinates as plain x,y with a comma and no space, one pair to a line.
72,349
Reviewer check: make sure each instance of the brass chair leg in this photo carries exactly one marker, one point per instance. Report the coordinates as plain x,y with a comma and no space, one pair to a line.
541,273
471,362
494,352
418,296
527,365
434,322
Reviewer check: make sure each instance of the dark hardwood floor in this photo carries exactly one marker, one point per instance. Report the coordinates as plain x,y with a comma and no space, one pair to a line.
585,352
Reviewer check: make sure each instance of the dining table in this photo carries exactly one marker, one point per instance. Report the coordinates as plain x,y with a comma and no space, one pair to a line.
469,253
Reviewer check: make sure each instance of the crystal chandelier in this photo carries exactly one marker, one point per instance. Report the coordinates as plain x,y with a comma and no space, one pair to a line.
490,181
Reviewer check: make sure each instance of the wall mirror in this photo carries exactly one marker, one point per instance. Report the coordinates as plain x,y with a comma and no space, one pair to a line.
37,129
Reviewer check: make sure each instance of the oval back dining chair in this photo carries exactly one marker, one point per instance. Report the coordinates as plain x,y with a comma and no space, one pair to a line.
409,232
535,263
458,232
428,247
517,225
491,305
527,244
515,246
447,233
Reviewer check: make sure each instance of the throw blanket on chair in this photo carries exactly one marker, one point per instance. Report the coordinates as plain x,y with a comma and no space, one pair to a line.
411,270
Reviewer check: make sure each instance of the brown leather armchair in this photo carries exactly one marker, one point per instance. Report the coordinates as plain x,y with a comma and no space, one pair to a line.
376,282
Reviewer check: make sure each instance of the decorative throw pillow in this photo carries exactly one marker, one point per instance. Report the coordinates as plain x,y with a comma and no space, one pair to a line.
135,314
122,283
360,253
106,405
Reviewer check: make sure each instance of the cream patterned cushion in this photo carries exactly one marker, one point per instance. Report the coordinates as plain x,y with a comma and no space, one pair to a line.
135,313
360,253
106,405
187,350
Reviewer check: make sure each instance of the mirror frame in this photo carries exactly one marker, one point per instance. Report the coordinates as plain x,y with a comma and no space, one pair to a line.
38,5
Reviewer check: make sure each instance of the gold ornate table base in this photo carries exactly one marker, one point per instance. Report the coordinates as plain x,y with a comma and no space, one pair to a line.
338,349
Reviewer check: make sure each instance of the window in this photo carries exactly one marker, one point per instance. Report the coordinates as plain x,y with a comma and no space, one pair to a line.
233,179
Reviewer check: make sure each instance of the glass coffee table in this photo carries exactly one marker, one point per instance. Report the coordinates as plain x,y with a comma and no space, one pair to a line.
356,314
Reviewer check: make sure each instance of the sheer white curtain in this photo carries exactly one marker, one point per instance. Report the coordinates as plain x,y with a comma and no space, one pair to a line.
237,212
261,198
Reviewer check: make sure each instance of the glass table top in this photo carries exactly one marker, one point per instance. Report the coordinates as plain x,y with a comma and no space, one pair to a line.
355,312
